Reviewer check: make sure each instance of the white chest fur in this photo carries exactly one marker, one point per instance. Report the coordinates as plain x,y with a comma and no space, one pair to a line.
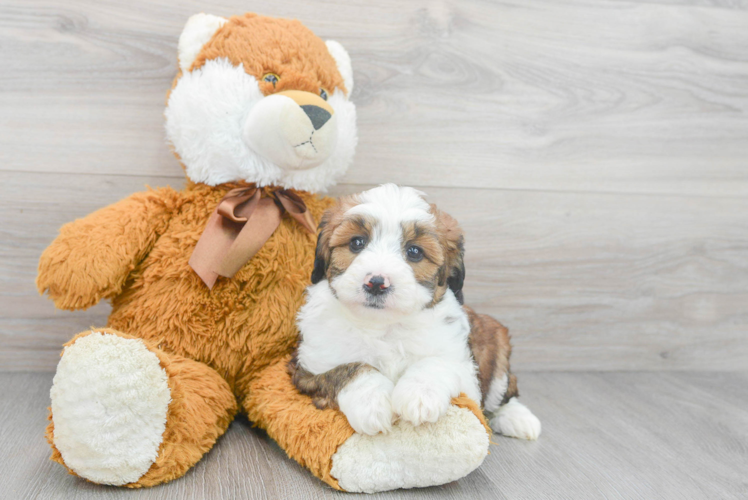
334,335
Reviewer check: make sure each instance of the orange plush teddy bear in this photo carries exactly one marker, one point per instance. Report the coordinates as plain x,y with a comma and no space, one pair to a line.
205,282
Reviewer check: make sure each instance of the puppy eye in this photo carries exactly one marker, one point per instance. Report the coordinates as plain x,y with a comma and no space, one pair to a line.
357,244
271,78
415,254
323,94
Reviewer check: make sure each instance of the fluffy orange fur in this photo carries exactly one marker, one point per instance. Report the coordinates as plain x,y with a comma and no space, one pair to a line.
223,350
284,47
213,344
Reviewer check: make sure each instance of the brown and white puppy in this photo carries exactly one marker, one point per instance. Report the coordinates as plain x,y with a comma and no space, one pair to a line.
384,333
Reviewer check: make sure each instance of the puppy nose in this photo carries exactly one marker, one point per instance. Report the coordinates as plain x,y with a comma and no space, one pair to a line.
317,115
377,284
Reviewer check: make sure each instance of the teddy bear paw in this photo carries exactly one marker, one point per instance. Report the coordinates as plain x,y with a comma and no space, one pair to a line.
412,456
110,398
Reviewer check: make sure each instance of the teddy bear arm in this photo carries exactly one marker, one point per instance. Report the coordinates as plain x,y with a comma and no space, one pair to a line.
91,257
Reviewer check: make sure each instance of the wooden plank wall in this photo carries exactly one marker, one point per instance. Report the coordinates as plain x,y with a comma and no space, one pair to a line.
596,153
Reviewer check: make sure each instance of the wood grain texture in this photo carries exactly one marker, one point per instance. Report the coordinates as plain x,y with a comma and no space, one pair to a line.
595,152
584,281
613,96
605,435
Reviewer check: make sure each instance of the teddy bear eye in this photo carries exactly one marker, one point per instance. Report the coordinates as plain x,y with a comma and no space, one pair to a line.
323,94
357,244
415,254
271,78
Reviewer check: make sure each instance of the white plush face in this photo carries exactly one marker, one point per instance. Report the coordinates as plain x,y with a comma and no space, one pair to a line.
292,135
225,129
384,254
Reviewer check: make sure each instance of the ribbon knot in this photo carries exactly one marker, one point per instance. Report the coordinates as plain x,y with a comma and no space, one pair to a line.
240,225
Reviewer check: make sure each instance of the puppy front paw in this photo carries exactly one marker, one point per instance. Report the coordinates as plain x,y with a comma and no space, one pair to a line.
418,403
366,403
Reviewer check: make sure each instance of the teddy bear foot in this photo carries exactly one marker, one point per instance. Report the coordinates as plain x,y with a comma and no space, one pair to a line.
110,398
412,456
126,413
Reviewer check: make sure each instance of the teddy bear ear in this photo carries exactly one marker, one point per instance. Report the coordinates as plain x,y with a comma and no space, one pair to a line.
196,33
343,60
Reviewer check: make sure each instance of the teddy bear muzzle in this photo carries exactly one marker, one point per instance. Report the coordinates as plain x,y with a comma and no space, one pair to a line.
294,129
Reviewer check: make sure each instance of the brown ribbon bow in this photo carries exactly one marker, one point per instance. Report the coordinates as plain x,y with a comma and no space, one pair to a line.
242,222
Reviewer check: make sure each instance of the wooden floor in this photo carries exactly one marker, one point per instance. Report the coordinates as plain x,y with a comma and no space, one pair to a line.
605,435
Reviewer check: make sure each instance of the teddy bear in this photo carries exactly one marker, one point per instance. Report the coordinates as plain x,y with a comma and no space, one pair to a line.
205,283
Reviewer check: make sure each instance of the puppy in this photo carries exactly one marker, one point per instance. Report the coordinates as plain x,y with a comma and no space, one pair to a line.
383,331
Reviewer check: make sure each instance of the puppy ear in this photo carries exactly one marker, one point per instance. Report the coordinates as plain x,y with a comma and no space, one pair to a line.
457,272
320,262
322,253
453,242
330,220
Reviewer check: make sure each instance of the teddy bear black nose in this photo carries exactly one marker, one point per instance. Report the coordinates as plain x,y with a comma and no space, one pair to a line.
318,115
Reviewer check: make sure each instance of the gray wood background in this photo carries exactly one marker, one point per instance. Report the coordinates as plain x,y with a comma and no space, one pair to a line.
595,151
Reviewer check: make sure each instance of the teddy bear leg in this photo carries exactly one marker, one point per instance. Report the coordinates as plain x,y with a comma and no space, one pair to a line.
324,442
308,435
415,456
125,413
